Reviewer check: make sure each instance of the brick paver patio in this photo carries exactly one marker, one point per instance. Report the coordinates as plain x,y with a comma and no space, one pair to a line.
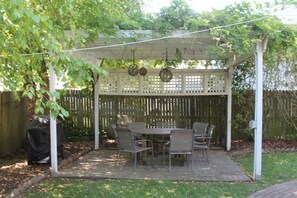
104,164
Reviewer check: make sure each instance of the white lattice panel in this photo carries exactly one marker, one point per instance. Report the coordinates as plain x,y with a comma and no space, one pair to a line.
184,82
128,85
174,86
151,85
108,84
216,83
194,84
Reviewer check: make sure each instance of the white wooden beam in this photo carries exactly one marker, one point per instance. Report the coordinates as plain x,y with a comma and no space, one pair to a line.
53,126
234,60
86,56
258,111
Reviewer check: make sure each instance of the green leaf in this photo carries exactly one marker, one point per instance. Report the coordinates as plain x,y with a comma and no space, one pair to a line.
35,18
64,113
30,95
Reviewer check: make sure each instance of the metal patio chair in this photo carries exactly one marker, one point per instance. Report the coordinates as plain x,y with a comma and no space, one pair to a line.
181,143
200,130
134,126
127,143
163,140
113,126
204,142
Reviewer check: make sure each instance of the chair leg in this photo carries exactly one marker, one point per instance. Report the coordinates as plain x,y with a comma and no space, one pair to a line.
170,162
192,162
152,157
118,157
203,153
206,154
163,157
135,159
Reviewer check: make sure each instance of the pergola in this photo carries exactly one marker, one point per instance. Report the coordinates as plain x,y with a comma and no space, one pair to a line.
147,45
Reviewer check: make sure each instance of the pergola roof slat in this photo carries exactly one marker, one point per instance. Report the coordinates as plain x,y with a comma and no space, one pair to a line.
149,45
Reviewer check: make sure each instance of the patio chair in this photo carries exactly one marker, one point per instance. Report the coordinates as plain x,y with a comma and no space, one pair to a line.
181,143
123,120
113,126
162,140
134,126
204,142
200,130
127,143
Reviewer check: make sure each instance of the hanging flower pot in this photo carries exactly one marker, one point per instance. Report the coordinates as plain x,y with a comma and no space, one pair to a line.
165,75
133,70
142,71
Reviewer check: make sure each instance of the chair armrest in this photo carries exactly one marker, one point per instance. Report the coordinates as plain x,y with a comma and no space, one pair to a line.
202,136
143,141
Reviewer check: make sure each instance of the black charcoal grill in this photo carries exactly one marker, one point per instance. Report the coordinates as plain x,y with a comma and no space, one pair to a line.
37,140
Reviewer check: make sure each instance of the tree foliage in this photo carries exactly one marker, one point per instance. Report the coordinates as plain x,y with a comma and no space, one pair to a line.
32,35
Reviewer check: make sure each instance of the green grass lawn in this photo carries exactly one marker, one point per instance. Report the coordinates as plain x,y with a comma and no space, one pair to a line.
276,168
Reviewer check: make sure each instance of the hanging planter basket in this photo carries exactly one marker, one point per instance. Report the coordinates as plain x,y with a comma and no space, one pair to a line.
142,71
133,70
165,75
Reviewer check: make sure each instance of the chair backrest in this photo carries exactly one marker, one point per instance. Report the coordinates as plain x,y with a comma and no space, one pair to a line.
113,126
136,125
210,130
181,141
125,139
209,133
166,124
123,120
200,128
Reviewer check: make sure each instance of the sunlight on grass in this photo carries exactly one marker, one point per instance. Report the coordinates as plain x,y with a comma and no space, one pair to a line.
107,187
276,168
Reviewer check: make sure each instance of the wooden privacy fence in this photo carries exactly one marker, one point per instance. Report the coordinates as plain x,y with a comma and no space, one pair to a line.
279,107
184,110
13,123
280,110
80,106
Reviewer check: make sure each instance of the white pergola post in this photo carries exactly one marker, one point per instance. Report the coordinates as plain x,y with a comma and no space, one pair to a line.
53,125
258,111
96,103
96,112
229,108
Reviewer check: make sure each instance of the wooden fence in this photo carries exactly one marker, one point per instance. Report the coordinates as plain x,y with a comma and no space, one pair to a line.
280,108
184,110
13,123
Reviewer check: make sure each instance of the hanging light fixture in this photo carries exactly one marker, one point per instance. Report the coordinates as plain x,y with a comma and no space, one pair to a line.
142,71
133,69
165,73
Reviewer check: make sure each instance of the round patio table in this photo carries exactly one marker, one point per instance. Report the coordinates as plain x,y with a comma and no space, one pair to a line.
154,131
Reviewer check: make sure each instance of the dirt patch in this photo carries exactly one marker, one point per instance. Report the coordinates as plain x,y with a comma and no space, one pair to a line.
14,170
269,146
